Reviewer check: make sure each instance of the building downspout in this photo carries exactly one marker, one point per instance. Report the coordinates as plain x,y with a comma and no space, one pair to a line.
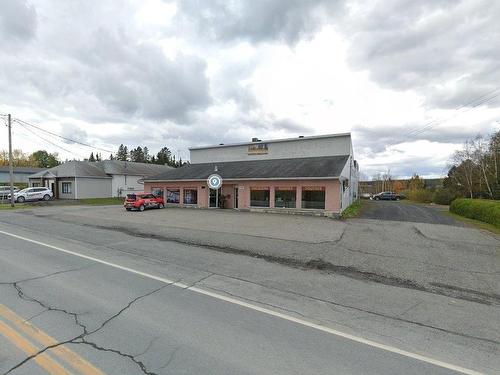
76,189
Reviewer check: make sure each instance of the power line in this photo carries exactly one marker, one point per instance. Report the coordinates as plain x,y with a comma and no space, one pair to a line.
475,103
62,137
48,141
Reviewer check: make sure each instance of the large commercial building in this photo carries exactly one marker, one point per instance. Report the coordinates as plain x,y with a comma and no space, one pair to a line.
316,174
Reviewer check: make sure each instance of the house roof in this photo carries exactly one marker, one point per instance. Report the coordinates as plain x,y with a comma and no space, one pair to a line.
101,169
316,167
26,170
132,168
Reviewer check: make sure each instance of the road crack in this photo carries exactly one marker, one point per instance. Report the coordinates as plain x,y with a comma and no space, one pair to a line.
82,338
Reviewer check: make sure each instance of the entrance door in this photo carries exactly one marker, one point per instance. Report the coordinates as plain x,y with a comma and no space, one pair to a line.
213,199
235,204
53,188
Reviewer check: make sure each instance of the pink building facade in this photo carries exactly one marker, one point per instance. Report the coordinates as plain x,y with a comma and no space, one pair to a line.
315,175
273,194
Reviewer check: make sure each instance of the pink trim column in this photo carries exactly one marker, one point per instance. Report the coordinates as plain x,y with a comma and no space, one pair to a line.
181,196
298,200
271,196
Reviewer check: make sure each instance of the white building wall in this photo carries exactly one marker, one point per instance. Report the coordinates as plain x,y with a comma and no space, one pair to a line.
295,148
124,184
92,188
351,174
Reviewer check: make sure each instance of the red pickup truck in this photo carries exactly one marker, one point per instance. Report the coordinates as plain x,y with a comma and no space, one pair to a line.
141,201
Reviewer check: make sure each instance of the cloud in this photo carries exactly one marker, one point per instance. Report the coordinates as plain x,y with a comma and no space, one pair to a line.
444,49
18,21
101,72
74,132
258,21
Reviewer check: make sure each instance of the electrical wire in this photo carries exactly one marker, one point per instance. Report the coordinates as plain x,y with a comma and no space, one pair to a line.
48,141
469,107
62,137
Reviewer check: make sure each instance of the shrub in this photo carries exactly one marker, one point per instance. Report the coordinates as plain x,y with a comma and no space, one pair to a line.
443,196
484,210
420,195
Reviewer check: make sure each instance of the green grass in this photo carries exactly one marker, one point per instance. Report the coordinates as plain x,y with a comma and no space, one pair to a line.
6,206
475,223
485,210
101,201
353,210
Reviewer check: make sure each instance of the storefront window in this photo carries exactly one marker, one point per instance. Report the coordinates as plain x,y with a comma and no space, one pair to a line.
313,198
173,195
259,197
285,198
157,192
190,196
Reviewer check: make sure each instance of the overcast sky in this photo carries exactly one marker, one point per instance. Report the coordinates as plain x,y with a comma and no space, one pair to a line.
195,72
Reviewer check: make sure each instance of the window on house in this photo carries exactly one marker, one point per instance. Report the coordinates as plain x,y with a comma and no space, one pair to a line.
345,185
259,197
285,197
173,195
66,187
190,196
313,197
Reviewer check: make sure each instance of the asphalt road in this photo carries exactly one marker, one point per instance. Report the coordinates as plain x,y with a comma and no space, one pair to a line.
97,318
405,211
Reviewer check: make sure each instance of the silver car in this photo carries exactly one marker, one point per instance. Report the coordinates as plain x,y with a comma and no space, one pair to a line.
5,192
33,194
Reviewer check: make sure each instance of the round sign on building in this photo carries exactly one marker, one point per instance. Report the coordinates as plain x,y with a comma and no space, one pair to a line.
214,181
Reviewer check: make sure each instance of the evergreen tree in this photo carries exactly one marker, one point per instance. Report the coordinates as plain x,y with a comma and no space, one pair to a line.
164,156
147,157
137,155
91,157
122,153
111,157
97,157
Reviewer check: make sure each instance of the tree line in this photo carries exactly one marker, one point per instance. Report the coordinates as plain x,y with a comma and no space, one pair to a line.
474,171
142,155
44,159
37,159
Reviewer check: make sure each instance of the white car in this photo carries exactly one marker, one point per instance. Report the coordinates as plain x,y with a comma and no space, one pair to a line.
33,194
5,191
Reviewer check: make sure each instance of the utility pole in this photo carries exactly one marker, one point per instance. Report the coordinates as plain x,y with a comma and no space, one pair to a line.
11,166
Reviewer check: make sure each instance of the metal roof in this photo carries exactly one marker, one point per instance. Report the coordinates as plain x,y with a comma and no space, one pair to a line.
295,168
101,169
26,170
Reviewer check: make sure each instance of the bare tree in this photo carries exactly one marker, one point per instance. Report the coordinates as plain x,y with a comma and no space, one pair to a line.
482,157
464,167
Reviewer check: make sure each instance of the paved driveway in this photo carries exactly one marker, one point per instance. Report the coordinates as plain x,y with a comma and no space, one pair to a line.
405,211
445,259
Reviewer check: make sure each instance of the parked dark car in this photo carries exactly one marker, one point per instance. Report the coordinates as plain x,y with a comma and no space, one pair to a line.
386,196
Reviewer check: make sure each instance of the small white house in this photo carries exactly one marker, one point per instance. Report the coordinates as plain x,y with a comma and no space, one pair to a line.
101,179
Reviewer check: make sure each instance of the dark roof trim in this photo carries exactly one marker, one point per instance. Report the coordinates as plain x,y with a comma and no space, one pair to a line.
252,179
328,167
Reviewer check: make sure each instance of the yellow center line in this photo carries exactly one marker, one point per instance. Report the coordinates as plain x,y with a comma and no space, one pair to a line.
70,357
43,360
